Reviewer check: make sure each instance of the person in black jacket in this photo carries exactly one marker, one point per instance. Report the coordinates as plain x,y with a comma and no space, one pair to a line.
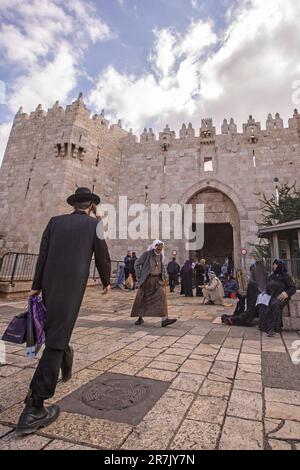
281,288
61,274
173,269
200,273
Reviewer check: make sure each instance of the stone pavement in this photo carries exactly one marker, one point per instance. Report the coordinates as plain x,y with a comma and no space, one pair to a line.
195,385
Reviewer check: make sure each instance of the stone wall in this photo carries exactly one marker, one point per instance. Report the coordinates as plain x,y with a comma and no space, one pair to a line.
50,154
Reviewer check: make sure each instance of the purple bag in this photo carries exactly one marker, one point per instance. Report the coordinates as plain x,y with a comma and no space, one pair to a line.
28,327
38,312
16,330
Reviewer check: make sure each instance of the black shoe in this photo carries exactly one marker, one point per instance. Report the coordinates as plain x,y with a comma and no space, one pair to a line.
67,364
33,418
140,321
168,321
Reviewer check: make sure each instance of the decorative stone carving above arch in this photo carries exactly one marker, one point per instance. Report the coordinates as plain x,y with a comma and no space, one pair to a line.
218,186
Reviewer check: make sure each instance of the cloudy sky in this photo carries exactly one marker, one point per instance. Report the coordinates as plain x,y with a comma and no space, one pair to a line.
151,62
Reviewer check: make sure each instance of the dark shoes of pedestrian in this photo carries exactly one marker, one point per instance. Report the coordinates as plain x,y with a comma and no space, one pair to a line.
271,333
33,418
140,321
67,364
168,321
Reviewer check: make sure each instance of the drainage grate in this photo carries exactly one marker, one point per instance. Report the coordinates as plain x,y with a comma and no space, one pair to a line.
115,397
115,394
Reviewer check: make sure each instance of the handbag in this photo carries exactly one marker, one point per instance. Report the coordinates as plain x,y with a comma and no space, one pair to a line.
16,331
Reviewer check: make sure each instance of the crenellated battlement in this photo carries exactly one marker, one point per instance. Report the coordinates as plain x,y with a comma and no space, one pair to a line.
77,109
252,131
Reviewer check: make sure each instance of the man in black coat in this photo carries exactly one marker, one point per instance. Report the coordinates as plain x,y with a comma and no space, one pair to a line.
62,272
173,269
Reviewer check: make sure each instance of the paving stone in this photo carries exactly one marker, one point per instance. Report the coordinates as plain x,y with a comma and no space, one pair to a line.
289,431
228,355
250,386
271,424
32,442
177,351
86,430
244,404
253,368
166,357
4,430
215,389
279,445
224,369
194,435
208,409
164,365
148,352
282,411
193,340
241,434
158,426
157,374
195,367
197,357
232,343
236,332
7,371
163,342
291,397
219,378
244,375
279,372
249,359
63,445
188,382
207,350
126,368
215,337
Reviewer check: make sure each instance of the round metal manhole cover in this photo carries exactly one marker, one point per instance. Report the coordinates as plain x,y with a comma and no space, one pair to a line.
115,394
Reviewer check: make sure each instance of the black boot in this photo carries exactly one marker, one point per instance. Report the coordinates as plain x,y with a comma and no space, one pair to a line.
67,364
33,418
140,321
167,322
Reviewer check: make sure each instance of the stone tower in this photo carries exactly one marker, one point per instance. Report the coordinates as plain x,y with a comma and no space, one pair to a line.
48,155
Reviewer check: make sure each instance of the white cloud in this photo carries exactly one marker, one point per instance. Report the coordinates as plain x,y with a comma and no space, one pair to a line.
43,41
170,88
45,84
4,135
247,68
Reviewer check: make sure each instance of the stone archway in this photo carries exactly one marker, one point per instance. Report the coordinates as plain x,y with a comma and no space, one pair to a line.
223,214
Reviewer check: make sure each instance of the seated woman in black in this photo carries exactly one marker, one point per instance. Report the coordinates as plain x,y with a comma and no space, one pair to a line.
256,285
280,287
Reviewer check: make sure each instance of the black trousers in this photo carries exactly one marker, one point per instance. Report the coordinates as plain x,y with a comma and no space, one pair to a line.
44,381
172,283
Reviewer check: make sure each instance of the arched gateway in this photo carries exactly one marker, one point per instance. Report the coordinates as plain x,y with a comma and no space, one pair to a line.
223,212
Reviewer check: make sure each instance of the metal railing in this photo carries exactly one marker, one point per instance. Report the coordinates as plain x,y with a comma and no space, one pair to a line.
20,267
292,266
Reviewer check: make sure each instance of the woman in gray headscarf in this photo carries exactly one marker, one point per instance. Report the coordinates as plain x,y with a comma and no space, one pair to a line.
151,300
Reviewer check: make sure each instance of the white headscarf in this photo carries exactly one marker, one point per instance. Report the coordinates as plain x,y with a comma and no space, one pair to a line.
154,245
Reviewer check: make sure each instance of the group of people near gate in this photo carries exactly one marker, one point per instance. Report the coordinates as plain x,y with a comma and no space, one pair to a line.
62,271
266,298
206,282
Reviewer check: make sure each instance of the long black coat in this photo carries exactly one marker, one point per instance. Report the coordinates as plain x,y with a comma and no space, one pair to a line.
62,271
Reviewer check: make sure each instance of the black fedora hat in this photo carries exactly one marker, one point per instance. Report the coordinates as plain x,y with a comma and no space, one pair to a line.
83,195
